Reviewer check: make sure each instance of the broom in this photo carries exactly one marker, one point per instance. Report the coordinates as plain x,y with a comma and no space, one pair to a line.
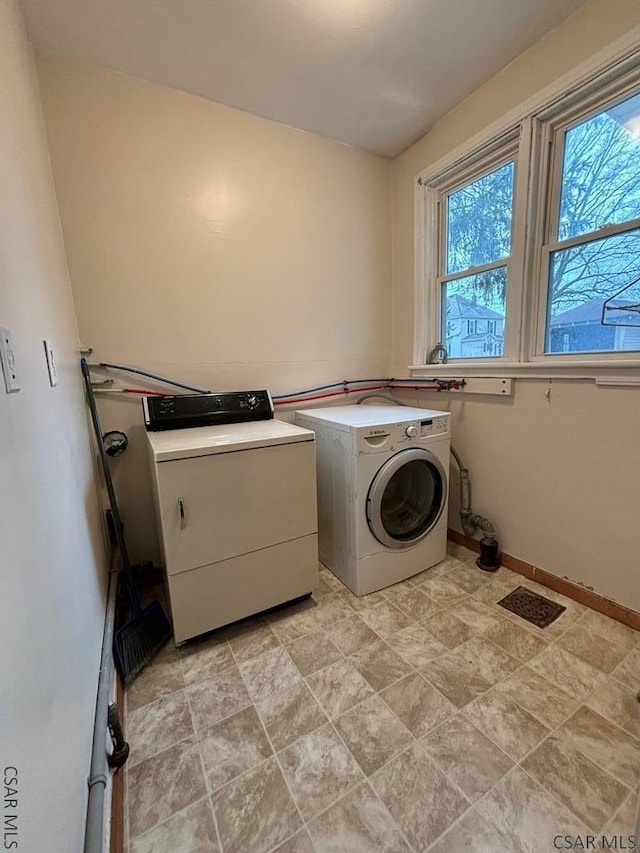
148,629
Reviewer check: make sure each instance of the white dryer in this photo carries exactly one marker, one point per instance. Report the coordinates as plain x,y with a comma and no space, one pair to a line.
383,485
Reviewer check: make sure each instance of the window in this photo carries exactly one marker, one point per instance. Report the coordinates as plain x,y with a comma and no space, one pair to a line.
593,248
476,220
528,246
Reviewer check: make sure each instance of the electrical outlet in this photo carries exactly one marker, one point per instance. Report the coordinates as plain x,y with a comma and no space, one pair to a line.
51,364
11,381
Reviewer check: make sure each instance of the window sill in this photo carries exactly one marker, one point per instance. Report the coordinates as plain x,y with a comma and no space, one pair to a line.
618,372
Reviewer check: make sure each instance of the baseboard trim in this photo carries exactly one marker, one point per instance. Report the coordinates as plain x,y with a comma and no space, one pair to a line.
117,790
566,587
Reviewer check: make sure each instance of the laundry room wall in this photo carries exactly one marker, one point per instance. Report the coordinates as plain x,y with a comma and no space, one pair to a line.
557,475
52,555
212,246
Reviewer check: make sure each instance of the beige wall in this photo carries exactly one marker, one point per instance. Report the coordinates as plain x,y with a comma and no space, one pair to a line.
52,560
213,246
558,477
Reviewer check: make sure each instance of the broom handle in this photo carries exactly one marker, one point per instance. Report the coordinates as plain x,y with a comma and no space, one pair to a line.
122,545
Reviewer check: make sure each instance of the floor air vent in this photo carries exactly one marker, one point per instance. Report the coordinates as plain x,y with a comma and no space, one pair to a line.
532,607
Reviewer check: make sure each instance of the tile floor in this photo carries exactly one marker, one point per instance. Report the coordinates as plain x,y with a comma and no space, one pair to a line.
424,717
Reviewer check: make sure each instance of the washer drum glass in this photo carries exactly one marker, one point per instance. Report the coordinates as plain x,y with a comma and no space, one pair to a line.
406,498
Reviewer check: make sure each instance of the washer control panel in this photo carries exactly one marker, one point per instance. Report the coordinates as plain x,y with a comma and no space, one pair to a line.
391,437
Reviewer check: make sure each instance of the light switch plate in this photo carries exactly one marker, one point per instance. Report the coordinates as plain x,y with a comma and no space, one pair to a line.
11,381
51,363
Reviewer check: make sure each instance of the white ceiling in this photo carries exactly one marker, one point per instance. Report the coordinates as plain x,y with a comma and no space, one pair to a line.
373,73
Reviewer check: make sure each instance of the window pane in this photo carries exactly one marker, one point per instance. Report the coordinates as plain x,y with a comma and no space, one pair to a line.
473,310
601,171
479,220
581,279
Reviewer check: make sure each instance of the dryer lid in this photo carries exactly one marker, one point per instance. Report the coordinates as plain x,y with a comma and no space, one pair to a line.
205,441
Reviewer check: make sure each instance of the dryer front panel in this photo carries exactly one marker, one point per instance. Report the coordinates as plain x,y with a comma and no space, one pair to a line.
406,498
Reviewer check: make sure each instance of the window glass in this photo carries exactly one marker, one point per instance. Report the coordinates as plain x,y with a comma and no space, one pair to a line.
583,281
479,220
601,171
473,312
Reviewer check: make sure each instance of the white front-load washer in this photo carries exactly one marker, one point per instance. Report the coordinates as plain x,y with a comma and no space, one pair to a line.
383,486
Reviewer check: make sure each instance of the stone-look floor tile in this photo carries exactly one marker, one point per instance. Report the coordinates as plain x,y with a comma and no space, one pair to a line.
233,746
385,619
418,704
468,576
338,687
379,665
472,835
541,698
589,792
294,621
478,616
459,552
162,677
154,727
332,608
525,816
205,658
491,593
319,769
490,661
298,843
176,774
573,675
624,821
456,678
507,724
358,823
421,799
251,643
467,757
413,602
270,671
189,831
605,744
443,567
416,645
362,602
330,579
352,634
448,629
517,641
313,652
372,733
442,590
602,654
290,713
255,811
628,671
609,629
618,704
216,698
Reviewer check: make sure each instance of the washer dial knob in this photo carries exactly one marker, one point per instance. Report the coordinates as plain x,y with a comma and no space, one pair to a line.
411,431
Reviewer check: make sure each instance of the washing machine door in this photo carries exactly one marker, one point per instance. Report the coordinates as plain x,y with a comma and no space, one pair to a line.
406,498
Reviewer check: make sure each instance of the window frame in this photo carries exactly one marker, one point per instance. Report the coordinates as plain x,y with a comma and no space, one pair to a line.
554,124
588,89
434,250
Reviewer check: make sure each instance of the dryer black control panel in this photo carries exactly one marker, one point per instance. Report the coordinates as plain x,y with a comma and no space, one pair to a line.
184,411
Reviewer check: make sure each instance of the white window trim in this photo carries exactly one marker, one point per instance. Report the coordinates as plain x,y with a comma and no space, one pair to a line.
523,324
